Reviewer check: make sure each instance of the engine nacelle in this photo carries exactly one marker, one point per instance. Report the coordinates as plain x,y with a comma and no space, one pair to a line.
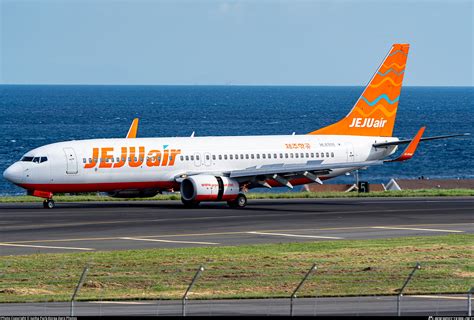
209,188
133,193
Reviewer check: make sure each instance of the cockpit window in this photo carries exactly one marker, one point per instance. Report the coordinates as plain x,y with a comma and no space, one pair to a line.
34,159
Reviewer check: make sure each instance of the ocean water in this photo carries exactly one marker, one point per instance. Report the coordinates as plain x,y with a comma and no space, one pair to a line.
31,116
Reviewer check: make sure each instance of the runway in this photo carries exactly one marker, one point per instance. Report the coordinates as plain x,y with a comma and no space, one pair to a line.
27,228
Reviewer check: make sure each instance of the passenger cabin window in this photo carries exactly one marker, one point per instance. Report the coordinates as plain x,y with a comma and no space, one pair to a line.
207,157
246,156
332,154
220,157
213,157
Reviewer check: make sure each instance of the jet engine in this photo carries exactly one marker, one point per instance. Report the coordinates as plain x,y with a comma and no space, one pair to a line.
209,188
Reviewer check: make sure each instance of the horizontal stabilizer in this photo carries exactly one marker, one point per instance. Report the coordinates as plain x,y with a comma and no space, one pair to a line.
399,142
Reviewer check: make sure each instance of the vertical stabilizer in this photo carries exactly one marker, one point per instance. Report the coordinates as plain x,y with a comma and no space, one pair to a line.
375,111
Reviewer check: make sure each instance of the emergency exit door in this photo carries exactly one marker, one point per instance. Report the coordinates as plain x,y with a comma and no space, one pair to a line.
71,161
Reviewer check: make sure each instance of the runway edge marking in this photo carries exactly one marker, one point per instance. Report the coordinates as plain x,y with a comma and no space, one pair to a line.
292,235
44,247
166,241
418,229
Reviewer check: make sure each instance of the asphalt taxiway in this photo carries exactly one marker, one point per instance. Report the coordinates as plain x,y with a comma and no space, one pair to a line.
27,228
421,305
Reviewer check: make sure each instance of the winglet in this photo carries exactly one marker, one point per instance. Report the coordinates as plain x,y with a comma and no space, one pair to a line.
132,132
411,148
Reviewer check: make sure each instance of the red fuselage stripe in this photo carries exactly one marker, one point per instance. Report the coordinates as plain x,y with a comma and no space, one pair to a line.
93,187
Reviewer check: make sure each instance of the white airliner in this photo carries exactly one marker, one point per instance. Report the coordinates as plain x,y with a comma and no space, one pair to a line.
223,168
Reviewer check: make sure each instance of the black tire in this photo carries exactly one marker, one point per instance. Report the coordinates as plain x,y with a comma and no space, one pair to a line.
239,202
190,203
48,204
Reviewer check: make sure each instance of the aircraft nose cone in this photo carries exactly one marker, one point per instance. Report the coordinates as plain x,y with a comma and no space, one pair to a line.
14,173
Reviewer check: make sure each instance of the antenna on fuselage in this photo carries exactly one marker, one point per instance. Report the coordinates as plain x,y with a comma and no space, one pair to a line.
192,135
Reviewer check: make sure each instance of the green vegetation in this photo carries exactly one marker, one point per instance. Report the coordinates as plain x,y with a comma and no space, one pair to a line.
284,195
355,267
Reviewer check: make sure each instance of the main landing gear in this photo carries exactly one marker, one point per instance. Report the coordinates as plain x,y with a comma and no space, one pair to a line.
239,202
48,204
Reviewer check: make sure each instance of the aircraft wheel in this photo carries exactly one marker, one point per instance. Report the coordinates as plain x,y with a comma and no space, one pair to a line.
239,202
48,204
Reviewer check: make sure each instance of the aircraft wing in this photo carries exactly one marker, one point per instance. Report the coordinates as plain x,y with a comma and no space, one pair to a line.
282,172
310,166
406,141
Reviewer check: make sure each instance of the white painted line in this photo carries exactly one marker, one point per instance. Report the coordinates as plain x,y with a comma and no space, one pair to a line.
417,229
44,247
292,235
121,302
437,297
166,241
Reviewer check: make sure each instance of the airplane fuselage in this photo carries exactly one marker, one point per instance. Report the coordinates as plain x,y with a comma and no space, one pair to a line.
110,165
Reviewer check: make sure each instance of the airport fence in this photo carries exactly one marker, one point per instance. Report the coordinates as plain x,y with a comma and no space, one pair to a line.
293,289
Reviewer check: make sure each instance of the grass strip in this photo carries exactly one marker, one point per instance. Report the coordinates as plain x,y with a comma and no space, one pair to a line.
345,268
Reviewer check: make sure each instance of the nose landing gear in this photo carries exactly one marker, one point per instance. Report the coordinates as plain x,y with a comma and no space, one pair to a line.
48,204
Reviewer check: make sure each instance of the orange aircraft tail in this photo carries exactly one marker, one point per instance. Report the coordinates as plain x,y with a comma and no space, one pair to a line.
375,111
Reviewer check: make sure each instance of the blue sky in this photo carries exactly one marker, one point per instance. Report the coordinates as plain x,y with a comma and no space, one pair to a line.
232,42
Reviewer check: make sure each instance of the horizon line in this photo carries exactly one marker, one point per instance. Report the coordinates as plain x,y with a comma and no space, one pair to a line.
218,85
